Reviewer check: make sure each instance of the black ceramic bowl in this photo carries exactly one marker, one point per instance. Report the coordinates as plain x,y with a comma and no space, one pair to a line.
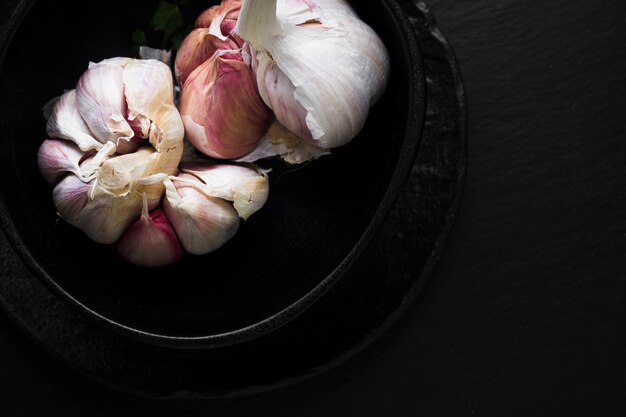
282,260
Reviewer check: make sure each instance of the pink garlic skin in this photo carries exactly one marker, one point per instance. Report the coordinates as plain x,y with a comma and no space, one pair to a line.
197,47
70,196
151,242
223,113
221,19
58,157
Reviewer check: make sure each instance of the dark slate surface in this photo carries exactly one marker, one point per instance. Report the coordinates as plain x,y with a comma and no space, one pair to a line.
525,313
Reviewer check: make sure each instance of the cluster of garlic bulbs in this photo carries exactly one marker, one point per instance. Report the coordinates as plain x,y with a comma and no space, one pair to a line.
258,78
113,155
293,78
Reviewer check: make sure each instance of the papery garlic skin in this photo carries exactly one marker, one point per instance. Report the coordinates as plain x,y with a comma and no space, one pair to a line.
202,223
58,157
280,141
151,240
149,90
221,19
101,101
196,48
70,197
223,114
246,187
103,195
65,122
320,68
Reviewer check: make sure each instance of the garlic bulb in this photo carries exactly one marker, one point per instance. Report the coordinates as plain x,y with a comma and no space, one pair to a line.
223,114
128,106
151,240
318,67
246,187
202,223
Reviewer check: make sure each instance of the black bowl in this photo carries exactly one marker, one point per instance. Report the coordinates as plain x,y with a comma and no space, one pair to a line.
315,224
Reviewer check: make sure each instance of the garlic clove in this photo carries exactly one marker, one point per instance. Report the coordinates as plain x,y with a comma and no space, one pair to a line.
149,92
221,20
70,197
336,65
107,215
202,223
101,101
197,47
151,240
58,157
119,173
65,122
223,114
247,188
278,92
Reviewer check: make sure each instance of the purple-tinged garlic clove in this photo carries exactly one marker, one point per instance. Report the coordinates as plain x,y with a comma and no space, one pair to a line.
151,240
70,196
223,114
58,157
197,47
221,20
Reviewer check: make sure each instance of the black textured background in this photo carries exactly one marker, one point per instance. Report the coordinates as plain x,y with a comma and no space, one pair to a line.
525,313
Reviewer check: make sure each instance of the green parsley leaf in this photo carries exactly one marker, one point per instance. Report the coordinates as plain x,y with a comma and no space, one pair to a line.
167,18
140,38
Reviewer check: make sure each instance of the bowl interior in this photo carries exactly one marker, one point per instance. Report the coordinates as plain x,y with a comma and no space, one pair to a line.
315,215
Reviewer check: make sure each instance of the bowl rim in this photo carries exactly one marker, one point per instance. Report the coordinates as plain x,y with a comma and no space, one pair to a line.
416,107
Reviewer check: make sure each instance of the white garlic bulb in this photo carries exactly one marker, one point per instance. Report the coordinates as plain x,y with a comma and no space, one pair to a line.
318,67
128,106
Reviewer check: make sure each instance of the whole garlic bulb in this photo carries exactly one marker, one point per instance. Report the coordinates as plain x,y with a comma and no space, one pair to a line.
318,67
128,136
